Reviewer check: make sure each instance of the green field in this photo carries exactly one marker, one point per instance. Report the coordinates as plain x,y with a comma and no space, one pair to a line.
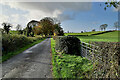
85,33
105,37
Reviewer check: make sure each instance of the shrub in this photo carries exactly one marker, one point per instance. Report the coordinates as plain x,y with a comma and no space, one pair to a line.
68,45
11,43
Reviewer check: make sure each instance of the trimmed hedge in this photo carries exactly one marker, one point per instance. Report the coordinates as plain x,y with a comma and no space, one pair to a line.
107,62
68,45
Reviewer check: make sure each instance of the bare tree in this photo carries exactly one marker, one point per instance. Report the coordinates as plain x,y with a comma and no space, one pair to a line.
116,25
18,27
6,27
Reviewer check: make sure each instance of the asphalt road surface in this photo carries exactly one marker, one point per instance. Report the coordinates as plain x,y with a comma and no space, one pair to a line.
34,62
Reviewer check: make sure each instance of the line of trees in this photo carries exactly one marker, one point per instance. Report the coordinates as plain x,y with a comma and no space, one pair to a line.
46,26
104,26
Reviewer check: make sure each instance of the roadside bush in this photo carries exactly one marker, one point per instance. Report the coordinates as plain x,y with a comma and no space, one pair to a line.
11,43
68,45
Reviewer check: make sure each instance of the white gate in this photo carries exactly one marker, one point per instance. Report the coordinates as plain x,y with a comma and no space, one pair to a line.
88,50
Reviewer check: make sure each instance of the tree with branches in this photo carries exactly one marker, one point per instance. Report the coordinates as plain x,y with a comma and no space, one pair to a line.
19,29
114,3
116,25
47,24
30,26
6,27
103,27
58,30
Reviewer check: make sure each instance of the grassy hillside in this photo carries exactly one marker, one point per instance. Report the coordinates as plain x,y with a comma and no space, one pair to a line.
85,33
106,37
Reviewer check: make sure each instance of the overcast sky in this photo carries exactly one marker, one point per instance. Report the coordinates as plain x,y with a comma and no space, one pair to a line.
74,16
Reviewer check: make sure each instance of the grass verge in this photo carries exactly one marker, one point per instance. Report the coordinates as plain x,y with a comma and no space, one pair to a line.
20,50
69,66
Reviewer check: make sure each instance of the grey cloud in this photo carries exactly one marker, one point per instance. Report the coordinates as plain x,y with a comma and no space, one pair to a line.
62,6
64,17
51,7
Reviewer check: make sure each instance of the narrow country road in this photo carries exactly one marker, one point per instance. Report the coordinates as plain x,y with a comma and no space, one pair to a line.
35,62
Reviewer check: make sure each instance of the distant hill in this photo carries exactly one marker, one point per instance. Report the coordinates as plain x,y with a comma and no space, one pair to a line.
87,33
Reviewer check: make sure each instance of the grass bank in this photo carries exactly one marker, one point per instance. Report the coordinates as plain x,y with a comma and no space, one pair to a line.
20,50
69,66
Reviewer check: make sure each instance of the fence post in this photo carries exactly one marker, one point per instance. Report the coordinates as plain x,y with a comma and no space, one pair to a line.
86,49
93,47
81,49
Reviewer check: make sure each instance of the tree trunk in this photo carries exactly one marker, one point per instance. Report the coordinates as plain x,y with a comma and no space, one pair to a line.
27,34
7,32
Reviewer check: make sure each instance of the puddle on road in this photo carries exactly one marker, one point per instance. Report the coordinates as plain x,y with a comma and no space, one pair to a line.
27,51
35,46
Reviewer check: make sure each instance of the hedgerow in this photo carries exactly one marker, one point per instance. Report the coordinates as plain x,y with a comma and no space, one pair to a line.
107,61
12,43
